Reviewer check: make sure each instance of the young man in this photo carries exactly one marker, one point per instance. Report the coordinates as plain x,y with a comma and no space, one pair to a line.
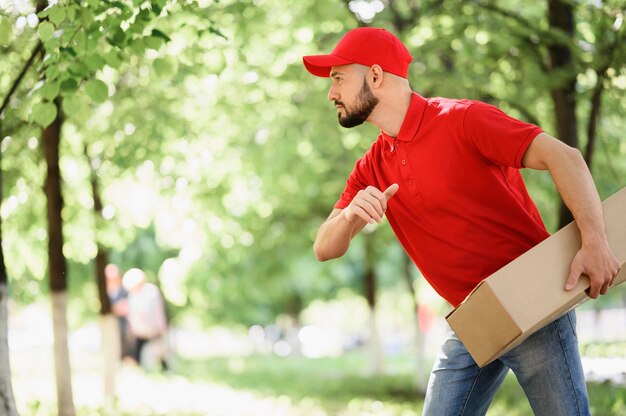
446,174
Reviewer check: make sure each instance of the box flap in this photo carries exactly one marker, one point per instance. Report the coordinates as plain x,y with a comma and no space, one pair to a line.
483,323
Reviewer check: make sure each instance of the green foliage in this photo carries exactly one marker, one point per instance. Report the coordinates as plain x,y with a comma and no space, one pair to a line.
211,142
97,90
44,113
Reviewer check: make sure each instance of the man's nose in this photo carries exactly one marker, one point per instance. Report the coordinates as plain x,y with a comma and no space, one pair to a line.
332,93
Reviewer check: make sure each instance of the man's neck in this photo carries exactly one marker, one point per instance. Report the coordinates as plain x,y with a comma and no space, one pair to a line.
390,113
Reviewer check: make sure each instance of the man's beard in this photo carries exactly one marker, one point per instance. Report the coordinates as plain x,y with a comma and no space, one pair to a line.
365,104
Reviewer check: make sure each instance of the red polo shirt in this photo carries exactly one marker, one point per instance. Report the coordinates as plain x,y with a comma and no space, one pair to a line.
462,210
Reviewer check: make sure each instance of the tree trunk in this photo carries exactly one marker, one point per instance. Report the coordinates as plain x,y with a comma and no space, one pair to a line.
57,265
419,335
7,400
109,325
369,286
561,18
102,255
111,352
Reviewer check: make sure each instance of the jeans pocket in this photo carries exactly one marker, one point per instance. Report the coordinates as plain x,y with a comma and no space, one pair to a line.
571,318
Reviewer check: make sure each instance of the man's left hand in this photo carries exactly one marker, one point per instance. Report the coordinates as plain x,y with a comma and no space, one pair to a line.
599,263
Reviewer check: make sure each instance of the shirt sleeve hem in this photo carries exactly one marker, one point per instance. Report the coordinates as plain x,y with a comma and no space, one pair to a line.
524,146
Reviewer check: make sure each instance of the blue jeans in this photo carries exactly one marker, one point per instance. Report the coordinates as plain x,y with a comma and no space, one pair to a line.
547,366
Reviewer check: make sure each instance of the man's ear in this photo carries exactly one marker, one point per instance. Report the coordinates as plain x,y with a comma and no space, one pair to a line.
376,75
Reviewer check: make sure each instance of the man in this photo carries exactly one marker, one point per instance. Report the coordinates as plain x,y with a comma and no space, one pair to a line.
146,316
446,174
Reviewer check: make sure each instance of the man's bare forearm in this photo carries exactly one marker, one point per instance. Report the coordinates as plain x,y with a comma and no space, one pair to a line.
334,236
368,206
575,185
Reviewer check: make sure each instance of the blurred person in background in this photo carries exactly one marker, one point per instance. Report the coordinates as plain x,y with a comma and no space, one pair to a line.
118,297
146,317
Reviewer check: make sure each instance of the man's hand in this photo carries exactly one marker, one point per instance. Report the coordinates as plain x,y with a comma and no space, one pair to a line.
369,204
599,263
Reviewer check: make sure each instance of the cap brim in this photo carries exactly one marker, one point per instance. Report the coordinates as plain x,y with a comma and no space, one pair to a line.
319,65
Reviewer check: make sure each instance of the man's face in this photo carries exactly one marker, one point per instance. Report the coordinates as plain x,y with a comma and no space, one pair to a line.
353,98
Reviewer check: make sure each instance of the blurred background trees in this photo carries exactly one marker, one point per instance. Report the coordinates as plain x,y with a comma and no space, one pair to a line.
215,155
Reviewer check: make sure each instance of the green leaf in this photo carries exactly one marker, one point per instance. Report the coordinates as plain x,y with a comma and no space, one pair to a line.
217,32
117,37
56,14
78,69
52,71
94,29
71,12
144,15
157,6
119,5
97,90
44,114
45,31
126,13
6,32
165,67
94,62
50,90
71,105
68,50
153,42
159,34
69,85
112,59
138,46
86,17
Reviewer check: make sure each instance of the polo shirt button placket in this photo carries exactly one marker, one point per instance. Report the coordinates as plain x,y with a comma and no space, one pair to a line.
405,169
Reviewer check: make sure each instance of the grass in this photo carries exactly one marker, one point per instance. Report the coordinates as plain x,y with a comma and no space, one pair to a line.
342,386
336,384
262,385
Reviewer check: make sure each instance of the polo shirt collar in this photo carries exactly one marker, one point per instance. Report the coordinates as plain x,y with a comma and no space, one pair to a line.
411,122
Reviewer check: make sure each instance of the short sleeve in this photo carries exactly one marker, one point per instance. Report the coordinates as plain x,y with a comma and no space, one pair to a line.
497,136
359,179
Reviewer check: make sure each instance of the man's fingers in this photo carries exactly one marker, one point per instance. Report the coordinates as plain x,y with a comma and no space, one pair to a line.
391,190
364,215
572,279
594,291
378,205
370,204
605,288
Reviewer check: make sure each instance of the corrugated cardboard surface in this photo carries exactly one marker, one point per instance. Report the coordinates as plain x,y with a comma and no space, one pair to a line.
528,293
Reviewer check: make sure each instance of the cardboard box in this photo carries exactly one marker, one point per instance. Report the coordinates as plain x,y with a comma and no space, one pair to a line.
528,293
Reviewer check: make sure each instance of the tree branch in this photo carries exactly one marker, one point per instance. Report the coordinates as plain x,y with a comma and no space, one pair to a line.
17,81
596,98
592,123
525,25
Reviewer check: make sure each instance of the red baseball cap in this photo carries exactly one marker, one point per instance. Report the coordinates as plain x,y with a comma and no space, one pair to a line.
366,46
